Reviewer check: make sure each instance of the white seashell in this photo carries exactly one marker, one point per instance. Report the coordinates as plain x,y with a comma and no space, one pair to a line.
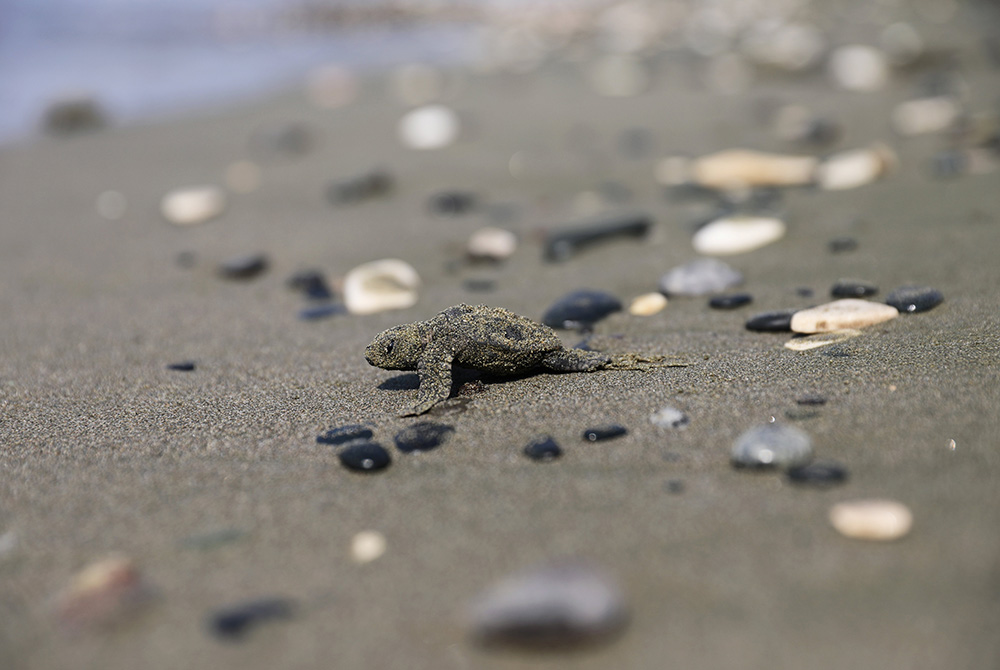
842,314
926,115
855,167
647,304
381,285
872,519
190,206
858,67
429,127
493,243
737,235
740,168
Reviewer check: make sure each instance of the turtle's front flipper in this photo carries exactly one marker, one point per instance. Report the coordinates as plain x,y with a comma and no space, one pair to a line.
641,362
575,360
434,368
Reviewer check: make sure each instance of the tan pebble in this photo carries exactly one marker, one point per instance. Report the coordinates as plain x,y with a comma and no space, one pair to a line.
740,168
102,593
367,546
841,314
926,115
381,285
855,167
492,243
647,304
871,519
820,339
190,206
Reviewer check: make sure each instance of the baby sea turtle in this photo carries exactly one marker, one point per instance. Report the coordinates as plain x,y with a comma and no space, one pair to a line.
489,339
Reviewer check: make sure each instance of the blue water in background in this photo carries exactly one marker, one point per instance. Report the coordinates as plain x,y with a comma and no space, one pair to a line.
144,59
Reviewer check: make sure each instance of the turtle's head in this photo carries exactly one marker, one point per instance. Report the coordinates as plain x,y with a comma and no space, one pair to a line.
398,348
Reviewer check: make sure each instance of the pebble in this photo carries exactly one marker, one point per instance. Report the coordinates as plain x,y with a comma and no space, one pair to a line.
855,167
913,299
454,203
311,283
874,519
807,342
737,235
925,115
853,288
322,312
191,206
772,445
730,300
422,436
354,432
367,186
607,432
182,366
563,244
858,67
581,309
559,605
429,127
670,417
365,457
619,76
848,313
489,243
818,474
102,594
810,399
367,546
74,115
647,304
700,277
778,321
804,291
243,267
675,486
236,621
742,168
543,449
839,245
381,285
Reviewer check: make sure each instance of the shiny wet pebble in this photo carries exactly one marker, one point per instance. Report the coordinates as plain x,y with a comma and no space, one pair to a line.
607,432
879,520
700,277
853,288
365,457
730,301
182,366
581,309
236,621
543,449
820,474
354,432
778,321
772,445
422,436
913,299
559,605
669,417
243,267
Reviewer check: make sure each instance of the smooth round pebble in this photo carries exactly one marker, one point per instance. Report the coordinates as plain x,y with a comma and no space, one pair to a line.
913,299
647,304
700,277
191,206
817,340
491,243
367,546
737,235
354,432
778,321
422,436
858,67
848,313
381,285
772,445
875,519
600,433
243,267
581,309
669,417
853,288
429,127
365,457
543,449
730,301
855,167
820,474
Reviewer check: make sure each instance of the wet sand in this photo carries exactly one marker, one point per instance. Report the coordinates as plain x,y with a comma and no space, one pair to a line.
105,450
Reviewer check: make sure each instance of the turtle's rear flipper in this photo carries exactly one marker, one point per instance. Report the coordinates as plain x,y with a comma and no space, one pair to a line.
641,362
575,360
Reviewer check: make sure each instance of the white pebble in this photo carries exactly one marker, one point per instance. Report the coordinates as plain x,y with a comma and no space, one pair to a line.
381,285
872,519
647,304
429,127
821,339
926,115
367,546
858,67
741,168
855,167
111,205
190,206
842,314
737,235
492,243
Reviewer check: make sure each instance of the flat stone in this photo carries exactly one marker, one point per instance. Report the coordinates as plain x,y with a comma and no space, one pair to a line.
489,243
543,449
600,433
855,167
839,245
778,321
741,168
913,299
183,366
737,234
772,445
236,621
559,605
561,245
858,67
669,417
74,115
581,309
875,519
848,313
354,432
807,342
422,436
647,304
191,206
730,301
810,399
243,267
823,474
853,288
429,127
381,285
365,457
700,277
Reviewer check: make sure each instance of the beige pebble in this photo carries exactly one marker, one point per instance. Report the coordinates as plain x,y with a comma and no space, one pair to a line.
243,176
647,304
367,546
740,168
858,67
925,115
190,206
429,127
842,314
871,519
102,593
855,167
381,285
737,234
820,339
492,243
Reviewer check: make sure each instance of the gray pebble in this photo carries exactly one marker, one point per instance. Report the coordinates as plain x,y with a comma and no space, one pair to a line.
772,445
700,277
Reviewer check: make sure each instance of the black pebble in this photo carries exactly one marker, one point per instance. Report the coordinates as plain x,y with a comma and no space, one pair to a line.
543,449
581,309
234,622
730,301
804,292
422,436
243,267
675,486
842,244
454,203
365,457
343,434
563,244
604,432
183,366
912,299
771,322
311,284
853,288
818,474
811,400
322,312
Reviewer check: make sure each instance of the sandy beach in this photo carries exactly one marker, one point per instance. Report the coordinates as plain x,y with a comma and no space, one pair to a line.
104,450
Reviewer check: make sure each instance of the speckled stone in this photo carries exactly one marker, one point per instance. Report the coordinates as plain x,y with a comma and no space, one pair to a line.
543,449
354,432
847,313
913,299
236,621
772,445
700,277
824,474
853,288
581,309
365,457
600,433
730,301
880,520
422,436
779,321
669,417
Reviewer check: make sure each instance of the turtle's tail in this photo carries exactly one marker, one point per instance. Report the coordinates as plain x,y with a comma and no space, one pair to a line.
640,362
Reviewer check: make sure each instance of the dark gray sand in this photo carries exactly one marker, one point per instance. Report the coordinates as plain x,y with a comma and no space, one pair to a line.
105,450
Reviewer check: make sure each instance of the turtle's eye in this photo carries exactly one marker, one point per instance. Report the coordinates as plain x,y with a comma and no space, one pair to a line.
388,349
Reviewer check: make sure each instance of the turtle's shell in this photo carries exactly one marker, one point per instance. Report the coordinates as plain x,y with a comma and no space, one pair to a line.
496,340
